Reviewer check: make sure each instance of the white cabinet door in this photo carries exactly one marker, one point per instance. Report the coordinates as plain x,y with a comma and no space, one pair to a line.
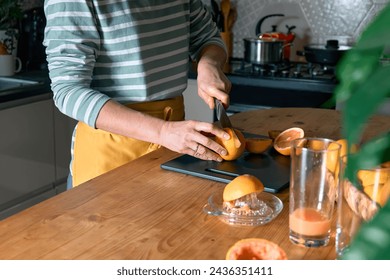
27,168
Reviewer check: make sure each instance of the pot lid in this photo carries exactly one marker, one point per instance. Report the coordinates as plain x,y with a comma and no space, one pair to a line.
321,47
331,45
271,40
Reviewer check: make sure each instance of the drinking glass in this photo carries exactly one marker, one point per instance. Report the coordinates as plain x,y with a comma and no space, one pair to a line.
313,187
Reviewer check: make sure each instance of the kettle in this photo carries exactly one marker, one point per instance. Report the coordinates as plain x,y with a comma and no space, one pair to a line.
288,37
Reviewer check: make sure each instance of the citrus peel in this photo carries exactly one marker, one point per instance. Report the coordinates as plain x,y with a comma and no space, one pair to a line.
376,184
257,145
235,145
273,133
255,249
283,140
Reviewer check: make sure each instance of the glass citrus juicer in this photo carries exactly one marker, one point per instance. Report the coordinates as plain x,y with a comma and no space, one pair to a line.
243,202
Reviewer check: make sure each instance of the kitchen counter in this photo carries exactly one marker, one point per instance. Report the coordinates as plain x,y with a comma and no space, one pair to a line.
26,94
140,211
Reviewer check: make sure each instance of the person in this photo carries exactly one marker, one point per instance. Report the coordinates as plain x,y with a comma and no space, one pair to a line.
120,67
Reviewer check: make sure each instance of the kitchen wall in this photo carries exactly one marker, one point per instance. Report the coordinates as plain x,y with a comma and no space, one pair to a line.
316,20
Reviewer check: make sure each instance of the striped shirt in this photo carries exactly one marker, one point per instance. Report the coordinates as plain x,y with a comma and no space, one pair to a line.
125,50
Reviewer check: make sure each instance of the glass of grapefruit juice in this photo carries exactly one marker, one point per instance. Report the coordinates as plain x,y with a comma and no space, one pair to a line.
313,186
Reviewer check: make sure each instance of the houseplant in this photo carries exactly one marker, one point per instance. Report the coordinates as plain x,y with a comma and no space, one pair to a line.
10,14
364,84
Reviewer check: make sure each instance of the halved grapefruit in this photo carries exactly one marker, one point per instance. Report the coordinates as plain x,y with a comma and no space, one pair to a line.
241,186
283,140
257,145
255,249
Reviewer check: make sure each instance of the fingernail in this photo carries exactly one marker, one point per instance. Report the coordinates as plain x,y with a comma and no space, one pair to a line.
226,136
219,159
224,152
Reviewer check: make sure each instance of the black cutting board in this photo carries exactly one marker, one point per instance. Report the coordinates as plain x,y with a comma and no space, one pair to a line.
272,168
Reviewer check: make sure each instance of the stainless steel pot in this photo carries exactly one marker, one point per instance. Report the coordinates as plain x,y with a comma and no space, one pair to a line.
263,51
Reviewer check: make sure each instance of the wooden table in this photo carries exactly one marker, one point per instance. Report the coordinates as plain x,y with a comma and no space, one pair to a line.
140,211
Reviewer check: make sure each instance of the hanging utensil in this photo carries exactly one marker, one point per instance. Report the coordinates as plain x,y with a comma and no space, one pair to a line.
232,18
225,8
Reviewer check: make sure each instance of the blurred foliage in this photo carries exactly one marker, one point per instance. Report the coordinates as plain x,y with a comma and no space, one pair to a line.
372,241
364,84
10,13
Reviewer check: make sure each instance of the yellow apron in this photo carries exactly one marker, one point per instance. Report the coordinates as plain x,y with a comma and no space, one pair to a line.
97,151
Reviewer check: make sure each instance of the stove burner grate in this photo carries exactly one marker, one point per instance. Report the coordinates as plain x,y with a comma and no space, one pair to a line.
290,70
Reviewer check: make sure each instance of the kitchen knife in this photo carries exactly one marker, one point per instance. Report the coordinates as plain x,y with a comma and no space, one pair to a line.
225,121
221,114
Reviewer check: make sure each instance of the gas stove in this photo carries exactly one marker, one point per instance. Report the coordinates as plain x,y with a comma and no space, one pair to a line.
285,70
288,84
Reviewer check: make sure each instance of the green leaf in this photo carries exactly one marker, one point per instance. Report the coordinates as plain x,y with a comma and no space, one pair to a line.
357,64
365,102
354,69
364,84
370,155
372,241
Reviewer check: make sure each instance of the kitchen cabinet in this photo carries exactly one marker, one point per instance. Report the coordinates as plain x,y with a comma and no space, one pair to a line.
34,154
63,130
27,170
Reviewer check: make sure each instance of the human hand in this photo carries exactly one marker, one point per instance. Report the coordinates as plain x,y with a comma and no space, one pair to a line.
188,137
212,82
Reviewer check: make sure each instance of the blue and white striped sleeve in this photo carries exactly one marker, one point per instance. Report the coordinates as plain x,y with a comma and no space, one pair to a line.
72,41
203,30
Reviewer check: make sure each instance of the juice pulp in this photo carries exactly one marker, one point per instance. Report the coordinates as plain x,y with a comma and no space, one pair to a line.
309,222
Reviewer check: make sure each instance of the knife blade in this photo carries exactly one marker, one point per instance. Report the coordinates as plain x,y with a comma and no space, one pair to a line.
221,114
225,121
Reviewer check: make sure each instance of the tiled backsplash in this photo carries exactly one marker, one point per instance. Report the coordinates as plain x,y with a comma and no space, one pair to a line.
316,20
